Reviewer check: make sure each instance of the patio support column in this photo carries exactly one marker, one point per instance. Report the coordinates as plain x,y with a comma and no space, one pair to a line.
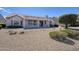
24,24
43,23
38,24
48,23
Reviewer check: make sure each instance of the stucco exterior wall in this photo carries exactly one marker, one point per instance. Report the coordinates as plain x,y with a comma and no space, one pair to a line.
15,18
56,20
27,25
8,22
25,22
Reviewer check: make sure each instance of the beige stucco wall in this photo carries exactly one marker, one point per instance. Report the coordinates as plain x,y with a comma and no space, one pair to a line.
26,25
25,22
56,20
15,18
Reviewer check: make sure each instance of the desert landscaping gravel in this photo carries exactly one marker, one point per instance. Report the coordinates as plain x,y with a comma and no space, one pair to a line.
33,40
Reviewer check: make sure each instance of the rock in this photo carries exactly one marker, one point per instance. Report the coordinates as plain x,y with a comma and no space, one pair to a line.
12,32
22,32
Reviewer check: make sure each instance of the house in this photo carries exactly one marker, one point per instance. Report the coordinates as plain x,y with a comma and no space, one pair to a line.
56,20
26,21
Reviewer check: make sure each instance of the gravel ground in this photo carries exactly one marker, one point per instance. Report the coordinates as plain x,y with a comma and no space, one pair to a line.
33,40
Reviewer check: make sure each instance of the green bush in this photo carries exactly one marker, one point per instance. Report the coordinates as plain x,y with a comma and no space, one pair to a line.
0,26
56,34
61,36
68,31
65,33
71,33
77,38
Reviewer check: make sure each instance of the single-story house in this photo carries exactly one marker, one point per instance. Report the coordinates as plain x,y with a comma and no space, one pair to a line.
26,21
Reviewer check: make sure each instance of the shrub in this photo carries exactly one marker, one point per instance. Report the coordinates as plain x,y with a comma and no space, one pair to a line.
56,34
71,33
61,37
56,25
3,25
68,31
0,26
51,25
77,37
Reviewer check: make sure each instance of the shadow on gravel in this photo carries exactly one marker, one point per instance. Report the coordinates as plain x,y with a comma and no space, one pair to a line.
65,40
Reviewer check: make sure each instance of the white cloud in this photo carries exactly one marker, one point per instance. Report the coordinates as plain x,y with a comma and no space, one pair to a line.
2,9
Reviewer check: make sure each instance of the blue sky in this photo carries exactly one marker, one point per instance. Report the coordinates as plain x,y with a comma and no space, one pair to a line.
39,11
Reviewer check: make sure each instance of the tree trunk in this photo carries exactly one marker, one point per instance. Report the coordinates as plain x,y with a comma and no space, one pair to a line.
66,26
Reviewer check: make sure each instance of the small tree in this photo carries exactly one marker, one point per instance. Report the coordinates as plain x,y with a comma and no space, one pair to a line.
68,19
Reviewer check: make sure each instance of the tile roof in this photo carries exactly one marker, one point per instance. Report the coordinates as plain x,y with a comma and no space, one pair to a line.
28,17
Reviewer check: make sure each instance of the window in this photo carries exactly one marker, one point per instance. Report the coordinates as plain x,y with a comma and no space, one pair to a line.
45,22
35,22
21,22
16,23
32,22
